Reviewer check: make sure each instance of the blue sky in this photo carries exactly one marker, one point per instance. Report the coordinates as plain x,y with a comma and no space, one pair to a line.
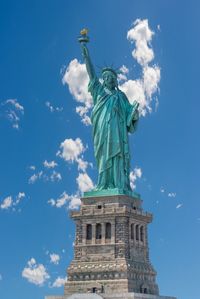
39,122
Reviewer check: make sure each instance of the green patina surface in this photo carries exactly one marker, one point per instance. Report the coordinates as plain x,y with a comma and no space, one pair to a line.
113,117
111,192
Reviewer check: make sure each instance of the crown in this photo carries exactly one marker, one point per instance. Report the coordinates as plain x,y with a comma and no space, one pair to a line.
109,69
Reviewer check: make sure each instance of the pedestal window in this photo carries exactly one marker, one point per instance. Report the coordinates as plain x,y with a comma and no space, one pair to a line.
98,231
108,230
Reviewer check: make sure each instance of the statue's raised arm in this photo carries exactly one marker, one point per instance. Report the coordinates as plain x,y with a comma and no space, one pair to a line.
83,39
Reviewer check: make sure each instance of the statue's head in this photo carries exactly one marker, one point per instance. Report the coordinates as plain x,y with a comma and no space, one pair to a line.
109,78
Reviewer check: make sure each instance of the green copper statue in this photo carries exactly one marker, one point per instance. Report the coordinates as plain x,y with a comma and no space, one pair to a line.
113,117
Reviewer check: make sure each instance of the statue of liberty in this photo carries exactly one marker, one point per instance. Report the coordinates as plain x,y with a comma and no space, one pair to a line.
113,117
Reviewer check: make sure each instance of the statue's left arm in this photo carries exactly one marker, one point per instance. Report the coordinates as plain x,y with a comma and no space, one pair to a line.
132,117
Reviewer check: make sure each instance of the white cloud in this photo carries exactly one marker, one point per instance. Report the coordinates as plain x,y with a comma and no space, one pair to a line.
19,197
13,111
35,273
77,79
121,77
35,177
84,182
59,202
122,74
82,165
16,104
71,149
124,69
54,258
52,202
141,34
143,89
151,78
52,108
55,176
31,262
162,190
7,203
179,206
74,202
82,111
134,91
32,167
171,194
50,164
134,175
59,282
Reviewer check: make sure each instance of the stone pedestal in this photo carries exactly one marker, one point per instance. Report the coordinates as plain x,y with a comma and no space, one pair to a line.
111,254
113,296
111,248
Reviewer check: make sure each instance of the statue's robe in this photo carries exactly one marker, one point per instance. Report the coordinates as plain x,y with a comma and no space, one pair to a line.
112,118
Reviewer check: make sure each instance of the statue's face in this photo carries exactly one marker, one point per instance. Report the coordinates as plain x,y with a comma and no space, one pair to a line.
110,80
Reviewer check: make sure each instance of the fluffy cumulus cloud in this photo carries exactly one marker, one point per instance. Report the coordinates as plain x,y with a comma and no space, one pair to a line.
142,90
134,91
50,164
82,165
11,202
123,71
59,282
13,111
82,111
134,175
71,151
60,201
35,273
70,201
6,203
19,197
77,80
54,258
74,202
84,182
141,35
151,78
35,177
53,176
